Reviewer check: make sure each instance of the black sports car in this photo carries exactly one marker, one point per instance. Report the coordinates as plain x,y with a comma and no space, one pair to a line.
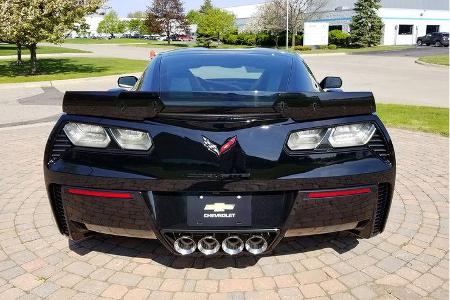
216,151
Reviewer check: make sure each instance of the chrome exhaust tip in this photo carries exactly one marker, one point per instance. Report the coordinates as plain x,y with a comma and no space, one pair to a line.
208,245
233,245
185,245
256,244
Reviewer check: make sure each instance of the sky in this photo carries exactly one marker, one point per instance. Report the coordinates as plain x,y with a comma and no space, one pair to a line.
124,7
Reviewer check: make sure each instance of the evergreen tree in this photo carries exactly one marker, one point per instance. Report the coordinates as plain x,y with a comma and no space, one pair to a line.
207,5
366,26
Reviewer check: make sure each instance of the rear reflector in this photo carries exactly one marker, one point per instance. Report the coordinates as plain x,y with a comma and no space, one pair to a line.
100,194
339,193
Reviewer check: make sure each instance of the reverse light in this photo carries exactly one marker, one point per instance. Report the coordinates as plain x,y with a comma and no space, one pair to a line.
351,135
306,139
87,135
132,139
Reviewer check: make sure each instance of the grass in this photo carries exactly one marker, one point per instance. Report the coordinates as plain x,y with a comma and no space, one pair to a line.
418,118
9,49
68,68
104,41
435,59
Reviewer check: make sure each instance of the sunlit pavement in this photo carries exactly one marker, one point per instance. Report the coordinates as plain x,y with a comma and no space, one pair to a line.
408,261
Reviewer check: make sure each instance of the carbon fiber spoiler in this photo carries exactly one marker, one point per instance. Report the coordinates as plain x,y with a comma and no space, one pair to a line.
147,105
113,104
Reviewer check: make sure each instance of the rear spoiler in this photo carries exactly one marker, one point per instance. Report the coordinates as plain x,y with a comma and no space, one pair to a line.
325,105
147,105
114,104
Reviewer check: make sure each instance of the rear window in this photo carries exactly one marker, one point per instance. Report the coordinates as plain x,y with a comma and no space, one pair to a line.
225,73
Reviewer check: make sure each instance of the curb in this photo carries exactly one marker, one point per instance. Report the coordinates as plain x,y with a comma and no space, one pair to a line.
428,64
47,120
42,84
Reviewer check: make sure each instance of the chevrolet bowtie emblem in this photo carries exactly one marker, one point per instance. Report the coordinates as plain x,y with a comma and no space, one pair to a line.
219,207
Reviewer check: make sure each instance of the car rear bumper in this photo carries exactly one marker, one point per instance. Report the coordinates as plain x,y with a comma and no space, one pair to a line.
158,208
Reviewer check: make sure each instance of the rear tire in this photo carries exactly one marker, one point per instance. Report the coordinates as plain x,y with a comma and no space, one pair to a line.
419,43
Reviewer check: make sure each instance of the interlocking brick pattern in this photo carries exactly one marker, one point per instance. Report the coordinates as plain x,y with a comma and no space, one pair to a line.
408,261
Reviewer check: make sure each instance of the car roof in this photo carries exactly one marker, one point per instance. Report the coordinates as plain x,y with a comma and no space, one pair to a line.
231,52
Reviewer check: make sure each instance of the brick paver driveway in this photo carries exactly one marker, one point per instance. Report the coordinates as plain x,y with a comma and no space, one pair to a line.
408,261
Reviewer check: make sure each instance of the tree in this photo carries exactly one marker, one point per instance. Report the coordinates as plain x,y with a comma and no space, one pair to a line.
216,22
136,15
166,16
193,16
28,22
83,29
366,26
134,25
300,11
270,19
111,24
207,5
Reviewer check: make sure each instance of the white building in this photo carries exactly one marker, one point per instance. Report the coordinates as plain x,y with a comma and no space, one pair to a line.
92,21
404,20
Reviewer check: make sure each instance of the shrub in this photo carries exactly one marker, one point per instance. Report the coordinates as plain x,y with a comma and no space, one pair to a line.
302,48
207,42
339,38
231,39
299,39
249,39
265,39
332,47
323,47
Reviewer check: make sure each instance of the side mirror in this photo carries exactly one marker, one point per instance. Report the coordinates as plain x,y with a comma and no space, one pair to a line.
127,81
331,83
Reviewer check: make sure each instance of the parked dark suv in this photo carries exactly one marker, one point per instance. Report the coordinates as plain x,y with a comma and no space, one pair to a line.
437,39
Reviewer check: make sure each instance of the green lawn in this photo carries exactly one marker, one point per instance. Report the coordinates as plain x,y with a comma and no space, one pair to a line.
104,41
420,118
435,59
9,49
68,68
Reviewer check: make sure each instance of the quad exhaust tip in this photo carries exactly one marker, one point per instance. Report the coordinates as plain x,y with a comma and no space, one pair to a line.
233,245
208,245
185,245
256,244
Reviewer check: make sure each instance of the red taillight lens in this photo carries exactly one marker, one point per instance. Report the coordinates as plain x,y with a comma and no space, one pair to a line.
339,193
100,194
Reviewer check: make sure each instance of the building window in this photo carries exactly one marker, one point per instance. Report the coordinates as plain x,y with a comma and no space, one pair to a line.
335,27
432,28
405,29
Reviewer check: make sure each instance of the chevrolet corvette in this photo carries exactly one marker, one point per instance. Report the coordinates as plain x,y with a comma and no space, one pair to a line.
220,152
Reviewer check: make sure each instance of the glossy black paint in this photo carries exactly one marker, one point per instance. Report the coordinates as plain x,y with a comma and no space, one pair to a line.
179,153
258,164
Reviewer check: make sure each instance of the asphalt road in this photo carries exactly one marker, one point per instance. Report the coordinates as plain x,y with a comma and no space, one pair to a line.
412,52
392,78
